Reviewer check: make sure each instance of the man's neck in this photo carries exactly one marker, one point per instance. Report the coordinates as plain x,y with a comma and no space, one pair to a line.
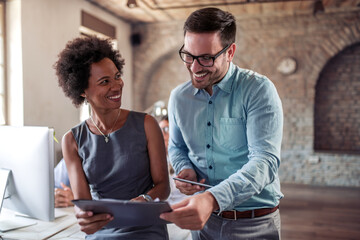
209,89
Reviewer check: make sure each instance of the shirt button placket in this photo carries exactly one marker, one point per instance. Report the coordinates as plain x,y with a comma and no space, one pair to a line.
209,139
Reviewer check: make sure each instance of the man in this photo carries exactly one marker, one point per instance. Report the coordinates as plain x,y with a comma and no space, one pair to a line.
226,131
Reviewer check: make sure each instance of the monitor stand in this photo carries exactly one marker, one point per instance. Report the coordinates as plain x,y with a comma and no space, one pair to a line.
7,220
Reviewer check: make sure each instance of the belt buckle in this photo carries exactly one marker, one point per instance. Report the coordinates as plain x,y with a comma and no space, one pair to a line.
235,218
221,214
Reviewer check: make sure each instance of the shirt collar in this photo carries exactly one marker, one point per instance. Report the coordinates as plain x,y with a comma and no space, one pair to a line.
226,83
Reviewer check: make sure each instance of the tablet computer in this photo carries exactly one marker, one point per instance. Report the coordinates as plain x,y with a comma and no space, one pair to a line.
127,213
192,182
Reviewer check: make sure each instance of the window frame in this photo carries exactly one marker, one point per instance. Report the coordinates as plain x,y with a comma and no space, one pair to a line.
3,84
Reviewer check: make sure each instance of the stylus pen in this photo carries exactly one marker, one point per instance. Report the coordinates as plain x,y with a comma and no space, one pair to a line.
192,182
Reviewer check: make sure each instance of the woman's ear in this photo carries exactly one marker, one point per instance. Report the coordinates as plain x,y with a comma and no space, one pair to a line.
83,95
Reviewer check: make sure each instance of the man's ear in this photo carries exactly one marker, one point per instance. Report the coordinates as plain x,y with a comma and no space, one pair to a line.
231,52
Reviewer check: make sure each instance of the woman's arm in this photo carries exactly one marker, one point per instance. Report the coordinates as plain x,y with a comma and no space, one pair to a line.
89,223
158,163
75,171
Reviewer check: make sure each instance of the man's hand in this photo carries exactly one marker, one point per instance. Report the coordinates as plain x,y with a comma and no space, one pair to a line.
193,212
63,196
188,188
90,223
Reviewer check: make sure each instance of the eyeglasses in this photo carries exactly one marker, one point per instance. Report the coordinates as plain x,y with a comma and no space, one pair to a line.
203,60
165,129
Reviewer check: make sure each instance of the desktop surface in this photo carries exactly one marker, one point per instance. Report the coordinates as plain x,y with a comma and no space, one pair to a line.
63,227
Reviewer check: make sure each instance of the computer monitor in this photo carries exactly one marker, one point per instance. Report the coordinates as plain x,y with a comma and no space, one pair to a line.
29,153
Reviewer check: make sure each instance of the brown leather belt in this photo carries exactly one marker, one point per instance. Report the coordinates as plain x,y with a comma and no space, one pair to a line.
247,214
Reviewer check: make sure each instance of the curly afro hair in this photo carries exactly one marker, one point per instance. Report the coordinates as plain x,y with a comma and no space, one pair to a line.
74,63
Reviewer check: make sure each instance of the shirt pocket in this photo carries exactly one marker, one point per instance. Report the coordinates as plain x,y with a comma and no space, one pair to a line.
232,133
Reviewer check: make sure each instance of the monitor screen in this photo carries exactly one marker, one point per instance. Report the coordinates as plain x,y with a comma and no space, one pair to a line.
29,153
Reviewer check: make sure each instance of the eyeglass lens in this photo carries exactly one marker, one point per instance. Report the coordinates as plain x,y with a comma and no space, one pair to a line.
205,61
165,129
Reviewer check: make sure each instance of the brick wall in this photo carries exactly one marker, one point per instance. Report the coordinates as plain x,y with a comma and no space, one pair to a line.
337,103
262,41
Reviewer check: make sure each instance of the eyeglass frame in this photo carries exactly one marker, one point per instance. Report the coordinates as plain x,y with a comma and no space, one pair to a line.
197,57
165,129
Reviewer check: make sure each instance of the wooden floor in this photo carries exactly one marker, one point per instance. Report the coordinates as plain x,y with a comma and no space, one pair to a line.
320,213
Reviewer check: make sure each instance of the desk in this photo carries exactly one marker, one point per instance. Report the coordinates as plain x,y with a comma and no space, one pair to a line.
63,227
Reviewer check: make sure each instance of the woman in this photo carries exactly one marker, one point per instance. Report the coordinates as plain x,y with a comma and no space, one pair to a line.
116,153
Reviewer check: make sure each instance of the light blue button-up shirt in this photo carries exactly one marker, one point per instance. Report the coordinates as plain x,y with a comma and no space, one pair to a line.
61,175
232,138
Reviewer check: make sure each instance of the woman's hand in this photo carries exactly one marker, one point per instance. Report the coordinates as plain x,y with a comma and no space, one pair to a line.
138,199
89,222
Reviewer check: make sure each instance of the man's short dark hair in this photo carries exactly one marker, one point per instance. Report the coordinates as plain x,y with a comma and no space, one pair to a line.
74,64
208,20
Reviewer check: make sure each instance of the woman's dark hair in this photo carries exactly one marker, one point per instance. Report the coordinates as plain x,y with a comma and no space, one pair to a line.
73,65
207,20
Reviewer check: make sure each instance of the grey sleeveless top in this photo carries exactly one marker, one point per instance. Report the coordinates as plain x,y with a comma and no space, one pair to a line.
119,169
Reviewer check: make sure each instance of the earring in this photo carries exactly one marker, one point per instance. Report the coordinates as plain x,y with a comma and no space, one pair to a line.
86,101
